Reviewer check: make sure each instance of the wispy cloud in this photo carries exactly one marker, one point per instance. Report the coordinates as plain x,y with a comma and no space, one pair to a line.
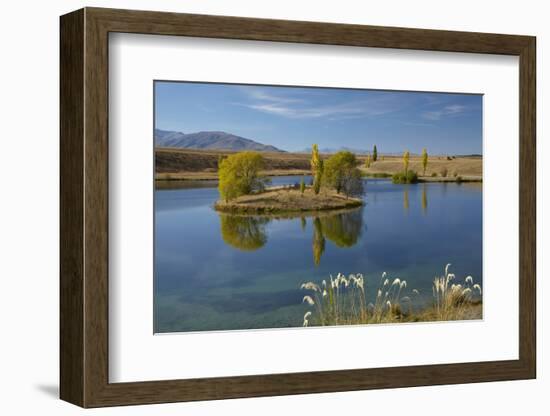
449,110
300,108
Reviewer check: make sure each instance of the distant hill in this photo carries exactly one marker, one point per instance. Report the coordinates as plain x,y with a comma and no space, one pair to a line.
209,140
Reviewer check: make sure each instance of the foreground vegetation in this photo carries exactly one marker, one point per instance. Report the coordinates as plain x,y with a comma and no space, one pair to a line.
343,301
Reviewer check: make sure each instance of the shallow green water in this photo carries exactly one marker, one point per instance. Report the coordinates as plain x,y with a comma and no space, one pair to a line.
219,272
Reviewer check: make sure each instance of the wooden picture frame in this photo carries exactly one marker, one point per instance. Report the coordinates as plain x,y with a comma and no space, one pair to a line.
84,207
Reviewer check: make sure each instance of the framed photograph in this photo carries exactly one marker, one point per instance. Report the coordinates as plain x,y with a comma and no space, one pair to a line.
255,207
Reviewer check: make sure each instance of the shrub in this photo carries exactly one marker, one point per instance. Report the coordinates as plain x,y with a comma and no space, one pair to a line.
455,174
444,172
302,186
402,177
458,179
434,174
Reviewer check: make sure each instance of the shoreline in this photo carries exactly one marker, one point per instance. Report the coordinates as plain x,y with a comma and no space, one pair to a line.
284,200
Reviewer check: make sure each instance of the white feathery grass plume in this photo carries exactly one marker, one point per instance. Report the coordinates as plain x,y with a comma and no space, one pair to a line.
306,321
447,268
311,286
324,293
478,287
386,282
416,292
470,280
309,300
388,304
403,284
397,281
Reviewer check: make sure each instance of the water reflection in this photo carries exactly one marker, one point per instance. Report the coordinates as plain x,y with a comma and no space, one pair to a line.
424,200
249,233
318,241
244,233
406,199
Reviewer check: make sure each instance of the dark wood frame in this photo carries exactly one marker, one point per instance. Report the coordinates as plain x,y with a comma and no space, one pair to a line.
84,207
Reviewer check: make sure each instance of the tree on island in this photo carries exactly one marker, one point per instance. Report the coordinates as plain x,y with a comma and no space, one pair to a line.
342,174
302,186
316,168
239,174
424,160
374,154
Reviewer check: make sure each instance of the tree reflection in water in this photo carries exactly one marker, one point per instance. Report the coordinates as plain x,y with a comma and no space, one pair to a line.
244,233
318,241
424,200
248,233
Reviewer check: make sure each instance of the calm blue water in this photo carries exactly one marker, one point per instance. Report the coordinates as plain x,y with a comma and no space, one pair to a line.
220,272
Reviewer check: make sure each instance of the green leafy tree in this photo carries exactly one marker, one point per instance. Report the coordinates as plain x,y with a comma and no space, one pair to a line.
406,157
239,174
374,154
424,160
316,168
342,174
302,186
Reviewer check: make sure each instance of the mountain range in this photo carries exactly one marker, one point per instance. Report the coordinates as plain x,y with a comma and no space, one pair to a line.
209,140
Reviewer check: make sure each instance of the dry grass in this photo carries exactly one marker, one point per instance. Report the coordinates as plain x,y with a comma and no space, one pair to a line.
342,301
288,200
469,168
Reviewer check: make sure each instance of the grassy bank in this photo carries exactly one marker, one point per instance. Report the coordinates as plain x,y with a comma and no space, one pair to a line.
284,200
343,301
209,176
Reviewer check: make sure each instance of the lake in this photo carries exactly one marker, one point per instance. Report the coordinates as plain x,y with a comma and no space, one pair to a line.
216,271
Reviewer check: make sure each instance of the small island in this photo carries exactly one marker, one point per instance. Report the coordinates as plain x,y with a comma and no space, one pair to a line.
283,200
337,184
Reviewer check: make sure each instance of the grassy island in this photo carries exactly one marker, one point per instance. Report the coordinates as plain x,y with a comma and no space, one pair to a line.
336,184
282,200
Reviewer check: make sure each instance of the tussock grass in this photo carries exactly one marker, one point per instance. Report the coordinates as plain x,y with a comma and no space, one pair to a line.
343,301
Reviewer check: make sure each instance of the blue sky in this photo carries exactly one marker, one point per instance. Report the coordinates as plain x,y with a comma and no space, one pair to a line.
292,118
